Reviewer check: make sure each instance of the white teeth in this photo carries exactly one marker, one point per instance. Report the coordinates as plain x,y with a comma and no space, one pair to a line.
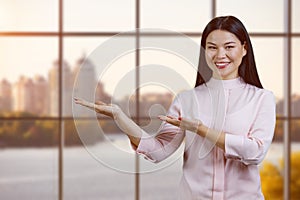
221,64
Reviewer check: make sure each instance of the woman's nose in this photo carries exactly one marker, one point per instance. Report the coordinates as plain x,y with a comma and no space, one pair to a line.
221,53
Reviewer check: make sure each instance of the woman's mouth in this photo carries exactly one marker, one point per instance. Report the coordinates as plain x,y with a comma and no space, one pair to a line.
221,65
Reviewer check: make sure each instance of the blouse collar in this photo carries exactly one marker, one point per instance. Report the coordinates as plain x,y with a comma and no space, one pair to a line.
226,84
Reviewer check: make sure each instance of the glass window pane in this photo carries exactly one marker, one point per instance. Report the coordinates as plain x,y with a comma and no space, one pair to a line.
95,15
177,15
29,159
76,52
269,62
164,72
267,17
175,60
295,77
98,71
295,158
162,184
88,175
24,74
296,16
271,170
156,89
29,15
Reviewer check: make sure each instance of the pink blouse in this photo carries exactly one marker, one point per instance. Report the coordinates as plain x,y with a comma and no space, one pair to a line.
247,116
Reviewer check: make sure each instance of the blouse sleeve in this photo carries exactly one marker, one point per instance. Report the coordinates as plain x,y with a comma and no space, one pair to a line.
167,140
252,148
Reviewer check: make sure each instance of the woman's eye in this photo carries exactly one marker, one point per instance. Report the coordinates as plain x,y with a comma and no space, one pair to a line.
229,47
211,47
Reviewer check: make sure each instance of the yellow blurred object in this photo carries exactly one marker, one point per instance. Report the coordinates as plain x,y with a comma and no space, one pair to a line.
272,179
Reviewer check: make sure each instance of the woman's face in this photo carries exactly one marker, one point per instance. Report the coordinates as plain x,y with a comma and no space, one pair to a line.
224,54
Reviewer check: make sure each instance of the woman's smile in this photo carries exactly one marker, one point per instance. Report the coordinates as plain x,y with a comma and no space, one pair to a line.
221,65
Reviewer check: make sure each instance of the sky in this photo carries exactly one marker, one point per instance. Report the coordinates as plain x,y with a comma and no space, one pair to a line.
35,55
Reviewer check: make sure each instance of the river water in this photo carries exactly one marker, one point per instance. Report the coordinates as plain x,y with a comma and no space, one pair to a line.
32,173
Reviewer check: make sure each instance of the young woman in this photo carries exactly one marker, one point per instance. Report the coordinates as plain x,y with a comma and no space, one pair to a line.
226,122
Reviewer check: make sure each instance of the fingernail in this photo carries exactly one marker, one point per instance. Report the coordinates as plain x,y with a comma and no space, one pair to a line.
179,118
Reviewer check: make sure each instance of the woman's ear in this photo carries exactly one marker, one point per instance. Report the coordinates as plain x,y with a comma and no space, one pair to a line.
244,49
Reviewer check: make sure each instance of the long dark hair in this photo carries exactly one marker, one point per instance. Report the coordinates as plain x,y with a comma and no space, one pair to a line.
247,69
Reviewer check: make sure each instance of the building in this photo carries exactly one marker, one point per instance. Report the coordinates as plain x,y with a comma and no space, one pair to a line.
23,95
53,78
5,95
41,95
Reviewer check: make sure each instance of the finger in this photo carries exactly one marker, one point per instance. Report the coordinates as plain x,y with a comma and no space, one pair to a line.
162,117
84,103
171,117
77,100
174,122
169,120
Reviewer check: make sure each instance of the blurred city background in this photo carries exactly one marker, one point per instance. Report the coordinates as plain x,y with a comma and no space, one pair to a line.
45,44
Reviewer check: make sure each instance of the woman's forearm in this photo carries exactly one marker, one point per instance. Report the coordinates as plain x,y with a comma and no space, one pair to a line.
134,140
129,127
213,135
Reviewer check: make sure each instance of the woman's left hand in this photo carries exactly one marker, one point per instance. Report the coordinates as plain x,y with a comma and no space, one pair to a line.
184,123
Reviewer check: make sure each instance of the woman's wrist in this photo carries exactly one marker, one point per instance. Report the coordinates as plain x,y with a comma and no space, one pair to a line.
218,137
202,130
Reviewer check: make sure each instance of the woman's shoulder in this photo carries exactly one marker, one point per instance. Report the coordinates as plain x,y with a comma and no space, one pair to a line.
260,92
193,91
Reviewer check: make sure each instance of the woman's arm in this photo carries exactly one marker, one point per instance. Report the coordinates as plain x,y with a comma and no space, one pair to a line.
250,148
132,130
154,148
218,137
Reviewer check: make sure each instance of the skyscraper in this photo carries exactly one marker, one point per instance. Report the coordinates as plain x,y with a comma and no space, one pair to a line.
23,95
41,95
53,77
5,95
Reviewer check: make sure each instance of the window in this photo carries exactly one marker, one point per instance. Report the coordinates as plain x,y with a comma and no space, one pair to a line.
45,44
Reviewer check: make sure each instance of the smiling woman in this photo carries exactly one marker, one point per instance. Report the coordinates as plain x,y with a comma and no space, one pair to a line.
92,20
224,54
217,147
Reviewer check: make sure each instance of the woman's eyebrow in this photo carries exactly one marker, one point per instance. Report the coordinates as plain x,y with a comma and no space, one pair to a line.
231,42
211,43
226,43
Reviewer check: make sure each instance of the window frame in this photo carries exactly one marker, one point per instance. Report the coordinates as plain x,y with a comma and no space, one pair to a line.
288,35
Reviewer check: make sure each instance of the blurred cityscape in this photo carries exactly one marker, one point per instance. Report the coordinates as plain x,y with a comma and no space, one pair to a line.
40,96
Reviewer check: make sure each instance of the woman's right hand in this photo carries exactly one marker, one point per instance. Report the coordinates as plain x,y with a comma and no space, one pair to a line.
109,110
132,130
183,123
